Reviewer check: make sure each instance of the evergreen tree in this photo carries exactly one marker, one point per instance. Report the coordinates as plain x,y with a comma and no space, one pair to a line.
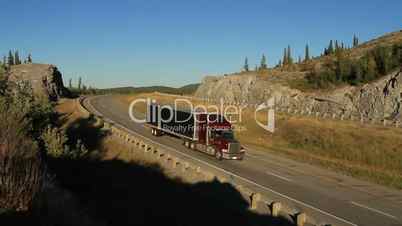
336,46
355,41
263,65
17,58
307,54
70,83
289,56
10,58
330,48
29,59
285,57
279,63
79,83
245,67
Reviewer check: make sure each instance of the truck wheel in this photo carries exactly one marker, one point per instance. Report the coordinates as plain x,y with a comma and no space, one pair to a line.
218,155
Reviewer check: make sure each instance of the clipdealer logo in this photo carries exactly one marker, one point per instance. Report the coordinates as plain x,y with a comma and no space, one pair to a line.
232,113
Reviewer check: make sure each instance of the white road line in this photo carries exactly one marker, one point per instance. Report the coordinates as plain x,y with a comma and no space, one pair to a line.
238,176
278,176
374,210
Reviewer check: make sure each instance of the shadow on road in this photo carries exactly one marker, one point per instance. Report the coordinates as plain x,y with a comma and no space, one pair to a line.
122,193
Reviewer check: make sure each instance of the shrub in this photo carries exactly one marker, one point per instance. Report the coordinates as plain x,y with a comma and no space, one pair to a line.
21,169
55,142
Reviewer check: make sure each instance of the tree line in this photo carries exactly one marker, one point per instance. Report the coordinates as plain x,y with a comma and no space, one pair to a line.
13,58
288,60
80,88
342,68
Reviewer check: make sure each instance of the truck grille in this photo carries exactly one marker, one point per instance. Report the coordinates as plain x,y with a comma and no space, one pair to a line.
234,147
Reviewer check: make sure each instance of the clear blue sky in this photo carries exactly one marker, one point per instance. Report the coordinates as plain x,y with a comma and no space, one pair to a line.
170,42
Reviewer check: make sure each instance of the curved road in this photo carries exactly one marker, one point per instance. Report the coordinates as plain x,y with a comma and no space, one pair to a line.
329,197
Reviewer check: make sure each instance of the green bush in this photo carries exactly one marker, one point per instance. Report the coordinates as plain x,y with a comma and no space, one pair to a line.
55,142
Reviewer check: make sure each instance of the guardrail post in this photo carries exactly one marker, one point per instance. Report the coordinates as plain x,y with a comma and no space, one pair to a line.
301,219
275,208
175,162
185,166
160,155
255,198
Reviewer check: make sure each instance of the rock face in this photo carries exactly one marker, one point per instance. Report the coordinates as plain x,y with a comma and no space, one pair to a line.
45,79
378,100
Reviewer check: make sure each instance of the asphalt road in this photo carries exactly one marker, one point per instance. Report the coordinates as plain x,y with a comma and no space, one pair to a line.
327,196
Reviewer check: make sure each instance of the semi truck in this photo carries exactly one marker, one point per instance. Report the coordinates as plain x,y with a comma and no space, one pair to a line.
210,133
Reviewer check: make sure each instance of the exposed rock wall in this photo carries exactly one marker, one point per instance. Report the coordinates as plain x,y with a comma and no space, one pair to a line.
381,99
45,79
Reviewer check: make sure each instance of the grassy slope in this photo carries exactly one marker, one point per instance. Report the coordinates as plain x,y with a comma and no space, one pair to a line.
294,75
369,152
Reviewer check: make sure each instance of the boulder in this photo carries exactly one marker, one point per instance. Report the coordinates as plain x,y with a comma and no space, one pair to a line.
45,79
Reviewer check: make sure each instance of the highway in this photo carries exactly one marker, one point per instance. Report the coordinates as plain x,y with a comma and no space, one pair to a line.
329,197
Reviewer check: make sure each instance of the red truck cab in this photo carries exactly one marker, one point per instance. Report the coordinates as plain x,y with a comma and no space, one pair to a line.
206,132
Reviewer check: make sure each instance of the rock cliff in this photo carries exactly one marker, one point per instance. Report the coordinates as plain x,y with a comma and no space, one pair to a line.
378,100
45,79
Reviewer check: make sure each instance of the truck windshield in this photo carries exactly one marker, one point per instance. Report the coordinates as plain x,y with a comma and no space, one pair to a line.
227,135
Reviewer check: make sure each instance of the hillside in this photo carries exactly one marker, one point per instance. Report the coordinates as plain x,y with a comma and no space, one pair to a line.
325,84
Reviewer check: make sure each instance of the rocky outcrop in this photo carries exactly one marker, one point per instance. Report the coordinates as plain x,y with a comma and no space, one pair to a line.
45,79
378,100
248,88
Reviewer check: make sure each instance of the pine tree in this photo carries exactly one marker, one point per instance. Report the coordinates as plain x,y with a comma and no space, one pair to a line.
355,41
79,83
263,65
29,59
285,57
245,67
279,63
307,54
336,46
70,83
17,58
10,58
289,56
330,48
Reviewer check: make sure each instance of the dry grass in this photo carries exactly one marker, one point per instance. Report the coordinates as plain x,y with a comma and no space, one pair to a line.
369,152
